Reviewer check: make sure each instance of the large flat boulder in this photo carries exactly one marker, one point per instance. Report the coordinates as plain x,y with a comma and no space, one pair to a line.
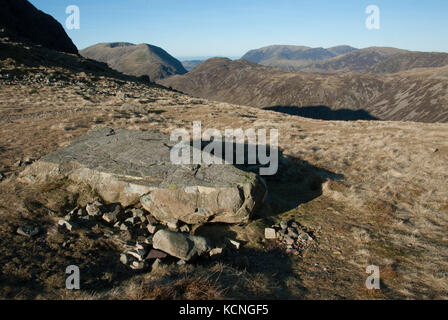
129,167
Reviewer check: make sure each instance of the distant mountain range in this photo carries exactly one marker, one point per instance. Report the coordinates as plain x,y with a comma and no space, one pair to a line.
415,95
191,64
293,56
136,60
345,59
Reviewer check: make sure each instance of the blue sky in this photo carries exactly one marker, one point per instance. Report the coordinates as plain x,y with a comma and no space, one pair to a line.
193,28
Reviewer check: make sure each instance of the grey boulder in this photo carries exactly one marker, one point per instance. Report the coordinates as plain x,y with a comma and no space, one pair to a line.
180,245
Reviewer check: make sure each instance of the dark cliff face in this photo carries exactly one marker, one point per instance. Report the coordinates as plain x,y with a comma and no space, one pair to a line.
21,20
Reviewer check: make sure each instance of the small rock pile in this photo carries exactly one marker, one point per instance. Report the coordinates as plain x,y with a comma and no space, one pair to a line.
145,241
291,235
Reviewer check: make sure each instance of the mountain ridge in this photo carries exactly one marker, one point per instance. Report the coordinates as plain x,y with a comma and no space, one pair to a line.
414,95
292,55
135,59
345,59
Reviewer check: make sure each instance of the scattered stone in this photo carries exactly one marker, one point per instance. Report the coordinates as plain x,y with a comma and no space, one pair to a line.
233,244
283,224
111,213
66,244
123,227
74,212
151,220
180,245
139,254
141,246
289,241
181,262
270,234
28,231
173,224
124,258
292,236
110,217
305,237
151,228
137,265
216,252
68,218
138,213
66,224
130,221
185,228
93,209
51,213
156,254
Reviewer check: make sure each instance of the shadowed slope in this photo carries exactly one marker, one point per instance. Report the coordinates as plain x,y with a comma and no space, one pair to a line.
324,113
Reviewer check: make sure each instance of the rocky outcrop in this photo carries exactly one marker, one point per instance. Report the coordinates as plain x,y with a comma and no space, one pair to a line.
23,21
129,167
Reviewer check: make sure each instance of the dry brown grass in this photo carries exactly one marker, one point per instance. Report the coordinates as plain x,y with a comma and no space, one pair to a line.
187,288
391,190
